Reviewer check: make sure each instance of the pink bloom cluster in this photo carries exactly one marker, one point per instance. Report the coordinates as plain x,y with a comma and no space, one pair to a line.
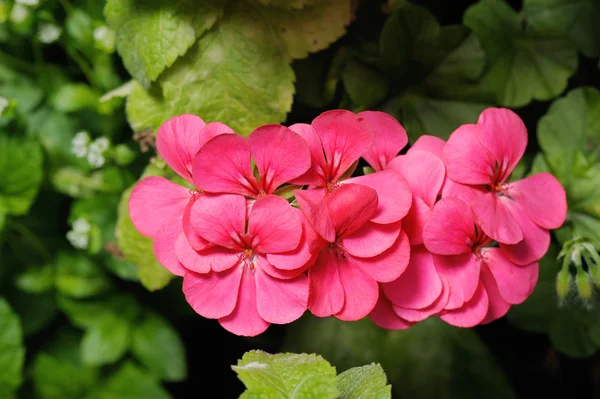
274,224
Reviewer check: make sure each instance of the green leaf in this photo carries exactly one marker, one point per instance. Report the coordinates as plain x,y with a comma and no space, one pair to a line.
364,382
287,3
21,171
73,97
437,69
578,21
286,375
130,382
364,85
137,249
58,379
429,360
86,314
157,346
523,65
106,341
311,29
12,351
571,336
36,280
146,50
77,276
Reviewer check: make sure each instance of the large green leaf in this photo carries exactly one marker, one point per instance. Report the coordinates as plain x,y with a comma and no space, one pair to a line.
12,351
22,173
579,21
437,69
429,360
78,276
59,379
152,35
245,85
89,313
157,346
130,382
523,64
286,375
364,382
106,341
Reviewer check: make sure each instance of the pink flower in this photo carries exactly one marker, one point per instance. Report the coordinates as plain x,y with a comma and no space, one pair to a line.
223,165
482,282
344,279
519,213
337,139
156,204
255,267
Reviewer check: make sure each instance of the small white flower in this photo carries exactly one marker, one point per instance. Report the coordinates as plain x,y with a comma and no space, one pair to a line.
101,144
79,144
81,225
95,159
3,104
48,33
28,2
19,13
78,240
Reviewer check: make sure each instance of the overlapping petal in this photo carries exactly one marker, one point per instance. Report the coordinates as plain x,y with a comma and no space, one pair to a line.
390,138
543,198
450,228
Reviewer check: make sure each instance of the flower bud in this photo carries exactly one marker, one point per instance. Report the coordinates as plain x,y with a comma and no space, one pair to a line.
584,286
563,283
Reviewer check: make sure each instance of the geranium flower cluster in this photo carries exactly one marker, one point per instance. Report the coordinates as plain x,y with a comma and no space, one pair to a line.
274,225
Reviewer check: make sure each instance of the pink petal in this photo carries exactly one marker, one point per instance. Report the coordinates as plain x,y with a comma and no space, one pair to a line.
326,291
312,204
513,281
197,242
433,144
416,315
280,155
497,306
492,214
462,273
414,222
212,295
164,247
542,197
360,290
345,137
283,274
388,265
350,207
393,193
468,194
467,160
274,225
154,202
504,134
424,172
245,319
535,242
212,130
223,166
178,141
189,257
215,258
384,316
390,138
419,286
318,171
450,229
280,301
220,219
303,253
472,313
371,239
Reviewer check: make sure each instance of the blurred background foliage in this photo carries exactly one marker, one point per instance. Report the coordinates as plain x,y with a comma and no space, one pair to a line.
85,309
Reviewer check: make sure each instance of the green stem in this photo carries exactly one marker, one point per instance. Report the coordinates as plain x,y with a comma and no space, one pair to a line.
16,63
83,65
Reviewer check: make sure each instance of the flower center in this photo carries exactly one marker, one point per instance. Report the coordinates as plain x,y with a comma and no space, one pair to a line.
331,185
247,258
500,189
338,249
